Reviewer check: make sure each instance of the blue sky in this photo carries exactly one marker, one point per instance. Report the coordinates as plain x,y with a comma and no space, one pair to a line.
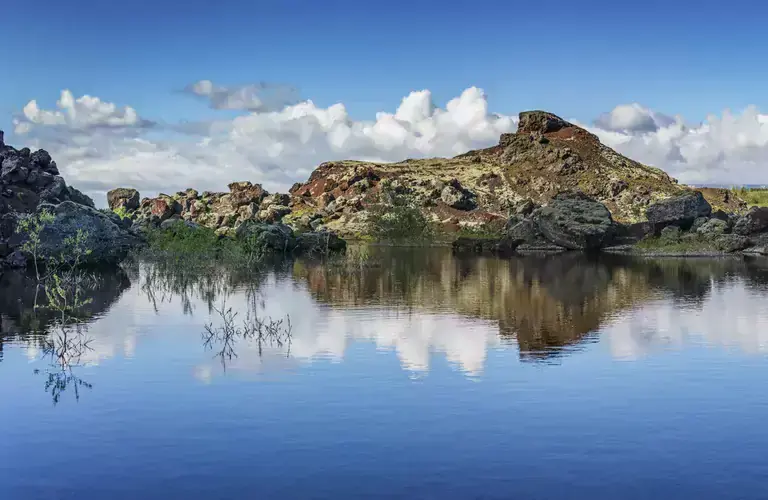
578,59
575,58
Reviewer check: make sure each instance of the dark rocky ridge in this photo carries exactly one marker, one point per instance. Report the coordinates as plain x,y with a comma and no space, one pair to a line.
29,182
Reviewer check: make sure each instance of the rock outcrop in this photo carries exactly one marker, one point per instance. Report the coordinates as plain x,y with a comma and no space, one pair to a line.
247,211
754,221
679,211
31,182
107,241
122,198
547,155
570,221
575,221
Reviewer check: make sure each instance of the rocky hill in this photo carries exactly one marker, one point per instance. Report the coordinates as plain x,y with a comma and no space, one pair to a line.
546,155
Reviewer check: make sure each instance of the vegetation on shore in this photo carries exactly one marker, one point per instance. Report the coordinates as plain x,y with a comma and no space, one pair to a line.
694,244
754,197
182,242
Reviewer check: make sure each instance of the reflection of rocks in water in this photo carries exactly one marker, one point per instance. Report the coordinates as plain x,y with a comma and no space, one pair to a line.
545,302
57,332
40,327
164,281
19,293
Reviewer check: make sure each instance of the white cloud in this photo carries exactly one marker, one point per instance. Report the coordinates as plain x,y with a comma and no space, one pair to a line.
257,97
278,142
632,118
727,149
83,113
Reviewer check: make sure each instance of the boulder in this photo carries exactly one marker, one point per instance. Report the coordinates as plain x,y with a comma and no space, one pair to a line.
722,215
671,234
635,231
107,242
759,250
754,221
125,198
713,227
273,213
267,239
524,231
455,196
163,208
575,221
275,199
525,208
79,197
680,211
700,221
319,243
731,242
55,192
540,122
242,193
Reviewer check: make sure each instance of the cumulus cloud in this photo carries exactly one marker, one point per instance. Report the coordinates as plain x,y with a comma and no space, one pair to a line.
726,149
277,140
276,148
632,118
256,97
82,114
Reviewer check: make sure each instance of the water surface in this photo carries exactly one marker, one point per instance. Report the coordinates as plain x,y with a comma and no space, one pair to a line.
402,373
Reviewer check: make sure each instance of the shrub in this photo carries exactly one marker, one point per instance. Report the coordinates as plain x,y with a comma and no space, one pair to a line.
398,219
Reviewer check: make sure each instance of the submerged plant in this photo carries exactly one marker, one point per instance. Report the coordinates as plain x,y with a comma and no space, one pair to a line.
263,331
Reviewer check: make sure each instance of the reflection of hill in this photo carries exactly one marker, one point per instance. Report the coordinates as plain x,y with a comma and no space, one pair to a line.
546,303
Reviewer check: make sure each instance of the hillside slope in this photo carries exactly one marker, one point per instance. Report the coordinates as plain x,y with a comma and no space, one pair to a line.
545,156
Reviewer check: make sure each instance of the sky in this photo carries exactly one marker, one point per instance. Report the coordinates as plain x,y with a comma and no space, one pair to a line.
162,95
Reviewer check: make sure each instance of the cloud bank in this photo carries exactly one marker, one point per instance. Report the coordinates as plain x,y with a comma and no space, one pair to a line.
277,139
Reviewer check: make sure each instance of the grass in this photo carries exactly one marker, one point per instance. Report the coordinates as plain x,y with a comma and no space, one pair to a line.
201,244
690,245
755,197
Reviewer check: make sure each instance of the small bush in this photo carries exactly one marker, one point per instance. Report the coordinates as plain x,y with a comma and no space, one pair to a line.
398,219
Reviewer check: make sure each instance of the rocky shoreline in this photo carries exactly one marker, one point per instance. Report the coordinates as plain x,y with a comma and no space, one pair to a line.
683,225
551,187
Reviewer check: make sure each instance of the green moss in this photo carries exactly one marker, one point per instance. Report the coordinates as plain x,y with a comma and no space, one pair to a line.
121,212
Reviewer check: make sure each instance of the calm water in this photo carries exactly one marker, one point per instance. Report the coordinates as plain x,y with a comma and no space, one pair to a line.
412,375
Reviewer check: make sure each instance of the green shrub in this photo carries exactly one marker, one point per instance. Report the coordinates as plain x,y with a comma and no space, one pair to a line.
203,245
396,218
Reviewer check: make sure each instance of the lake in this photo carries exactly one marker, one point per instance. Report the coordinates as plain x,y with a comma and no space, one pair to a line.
392,373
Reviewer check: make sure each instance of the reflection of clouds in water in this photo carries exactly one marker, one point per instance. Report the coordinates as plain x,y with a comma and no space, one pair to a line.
731,315
324,332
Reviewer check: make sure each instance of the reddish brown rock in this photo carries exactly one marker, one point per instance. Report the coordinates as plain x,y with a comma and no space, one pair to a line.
243,193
